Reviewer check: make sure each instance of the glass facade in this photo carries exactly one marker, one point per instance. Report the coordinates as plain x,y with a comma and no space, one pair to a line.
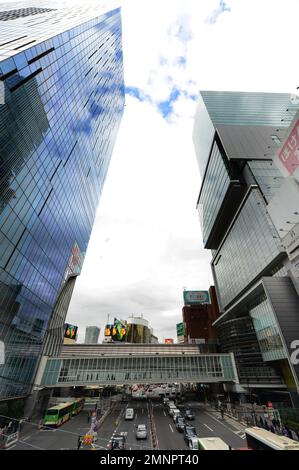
237,108
64,99
248,249
267,177
249,108
199,368
265,325
238,335
214,188
140,334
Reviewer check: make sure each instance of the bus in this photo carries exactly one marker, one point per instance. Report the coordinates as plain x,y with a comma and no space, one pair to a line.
260,439
208,443
59,414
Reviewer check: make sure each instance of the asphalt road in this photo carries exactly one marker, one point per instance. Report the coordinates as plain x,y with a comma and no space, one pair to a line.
141,416
207,424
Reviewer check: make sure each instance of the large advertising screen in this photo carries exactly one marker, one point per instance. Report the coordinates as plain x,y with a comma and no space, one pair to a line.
108,330
168,341
117,331
70,331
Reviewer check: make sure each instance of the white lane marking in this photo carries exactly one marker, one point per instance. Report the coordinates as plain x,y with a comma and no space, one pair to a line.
164,413
11,447
25,438
171,428
233,432
208,427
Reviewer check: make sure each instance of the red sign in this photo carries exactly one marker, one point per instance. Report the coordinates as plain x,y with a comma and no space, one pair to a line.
289,154
168,341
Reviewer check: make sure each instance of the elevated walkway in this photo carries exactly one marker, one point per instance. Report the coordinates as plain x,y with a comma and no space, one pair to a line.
123,364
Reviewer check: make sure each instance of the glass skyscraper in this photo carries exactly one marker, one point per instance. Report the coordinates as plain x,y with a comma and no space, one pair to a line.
62,70
236,136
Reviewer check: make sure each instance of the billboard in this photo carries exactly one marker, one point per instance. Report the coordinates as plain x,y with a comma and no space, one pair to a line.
195,297
180,329
70,331
117,331
289,153
108,330
168,341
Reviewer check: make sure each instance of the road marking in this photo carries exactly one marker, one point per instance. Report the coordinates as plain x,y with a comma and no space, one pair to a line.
234,432
171,428
208,427
164,413
25,438
11,447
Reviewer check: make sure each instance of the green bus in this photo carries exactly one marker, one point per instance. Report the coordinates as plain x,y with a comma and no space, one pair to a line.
59,414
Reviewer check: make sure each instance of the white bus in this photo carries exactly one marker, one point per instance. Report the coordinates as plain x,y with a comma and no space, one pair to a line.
260,439
207,443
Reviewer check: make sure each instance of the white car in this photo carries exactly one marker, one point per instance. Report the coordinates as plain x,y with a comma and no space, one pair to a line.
141,431
172,409
129,413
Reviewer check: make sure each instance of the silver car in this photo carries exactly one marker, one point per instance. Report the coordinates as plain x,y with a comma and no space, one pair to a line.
141,431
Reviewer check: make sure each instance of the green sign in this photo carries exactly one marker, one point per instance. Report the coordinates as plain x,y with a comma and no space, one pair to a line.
180,329
195,297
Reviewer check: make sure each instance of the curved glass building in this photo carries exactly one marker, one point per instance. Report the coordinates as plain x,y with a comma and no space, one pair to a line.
61,69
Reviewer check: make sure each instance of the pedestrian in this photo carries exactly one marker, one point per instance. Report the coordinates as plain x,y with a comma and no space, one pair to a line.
88,416
79,442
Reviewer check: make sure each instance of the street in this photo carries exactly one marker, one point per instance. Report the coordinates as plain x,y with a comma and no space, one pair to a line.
207,423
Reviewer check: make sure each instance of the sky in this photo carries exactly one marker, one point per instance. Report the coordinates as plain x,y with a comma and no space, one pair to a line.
146,244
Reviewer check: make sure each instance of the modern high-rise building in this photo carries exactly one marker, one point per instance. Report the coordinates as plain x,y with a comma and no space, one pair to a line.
92,334
62,71
236,136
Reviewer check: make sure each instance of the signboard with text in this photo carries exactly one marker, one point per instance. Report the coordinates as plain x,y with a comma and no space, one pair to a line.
289,154
195,297
180,329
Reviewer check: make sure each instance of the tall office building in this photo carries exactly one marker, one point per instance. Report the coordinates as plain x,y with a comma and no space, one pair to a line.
236,136
92,334
62,71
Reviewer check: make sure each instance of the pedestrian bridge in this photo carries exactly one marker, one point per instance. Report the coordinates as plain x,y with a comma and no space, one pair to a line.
118,364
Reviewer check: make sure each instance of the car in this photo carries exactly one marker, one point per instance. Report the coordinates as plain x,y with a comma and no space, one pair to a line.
129,413
171,410
118,442
165,401
189,415
141,431
180,423
189,431
175,414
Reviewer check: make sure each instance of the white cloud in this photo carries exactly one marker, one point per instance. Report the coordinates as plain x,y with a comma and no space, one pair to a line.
148,204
